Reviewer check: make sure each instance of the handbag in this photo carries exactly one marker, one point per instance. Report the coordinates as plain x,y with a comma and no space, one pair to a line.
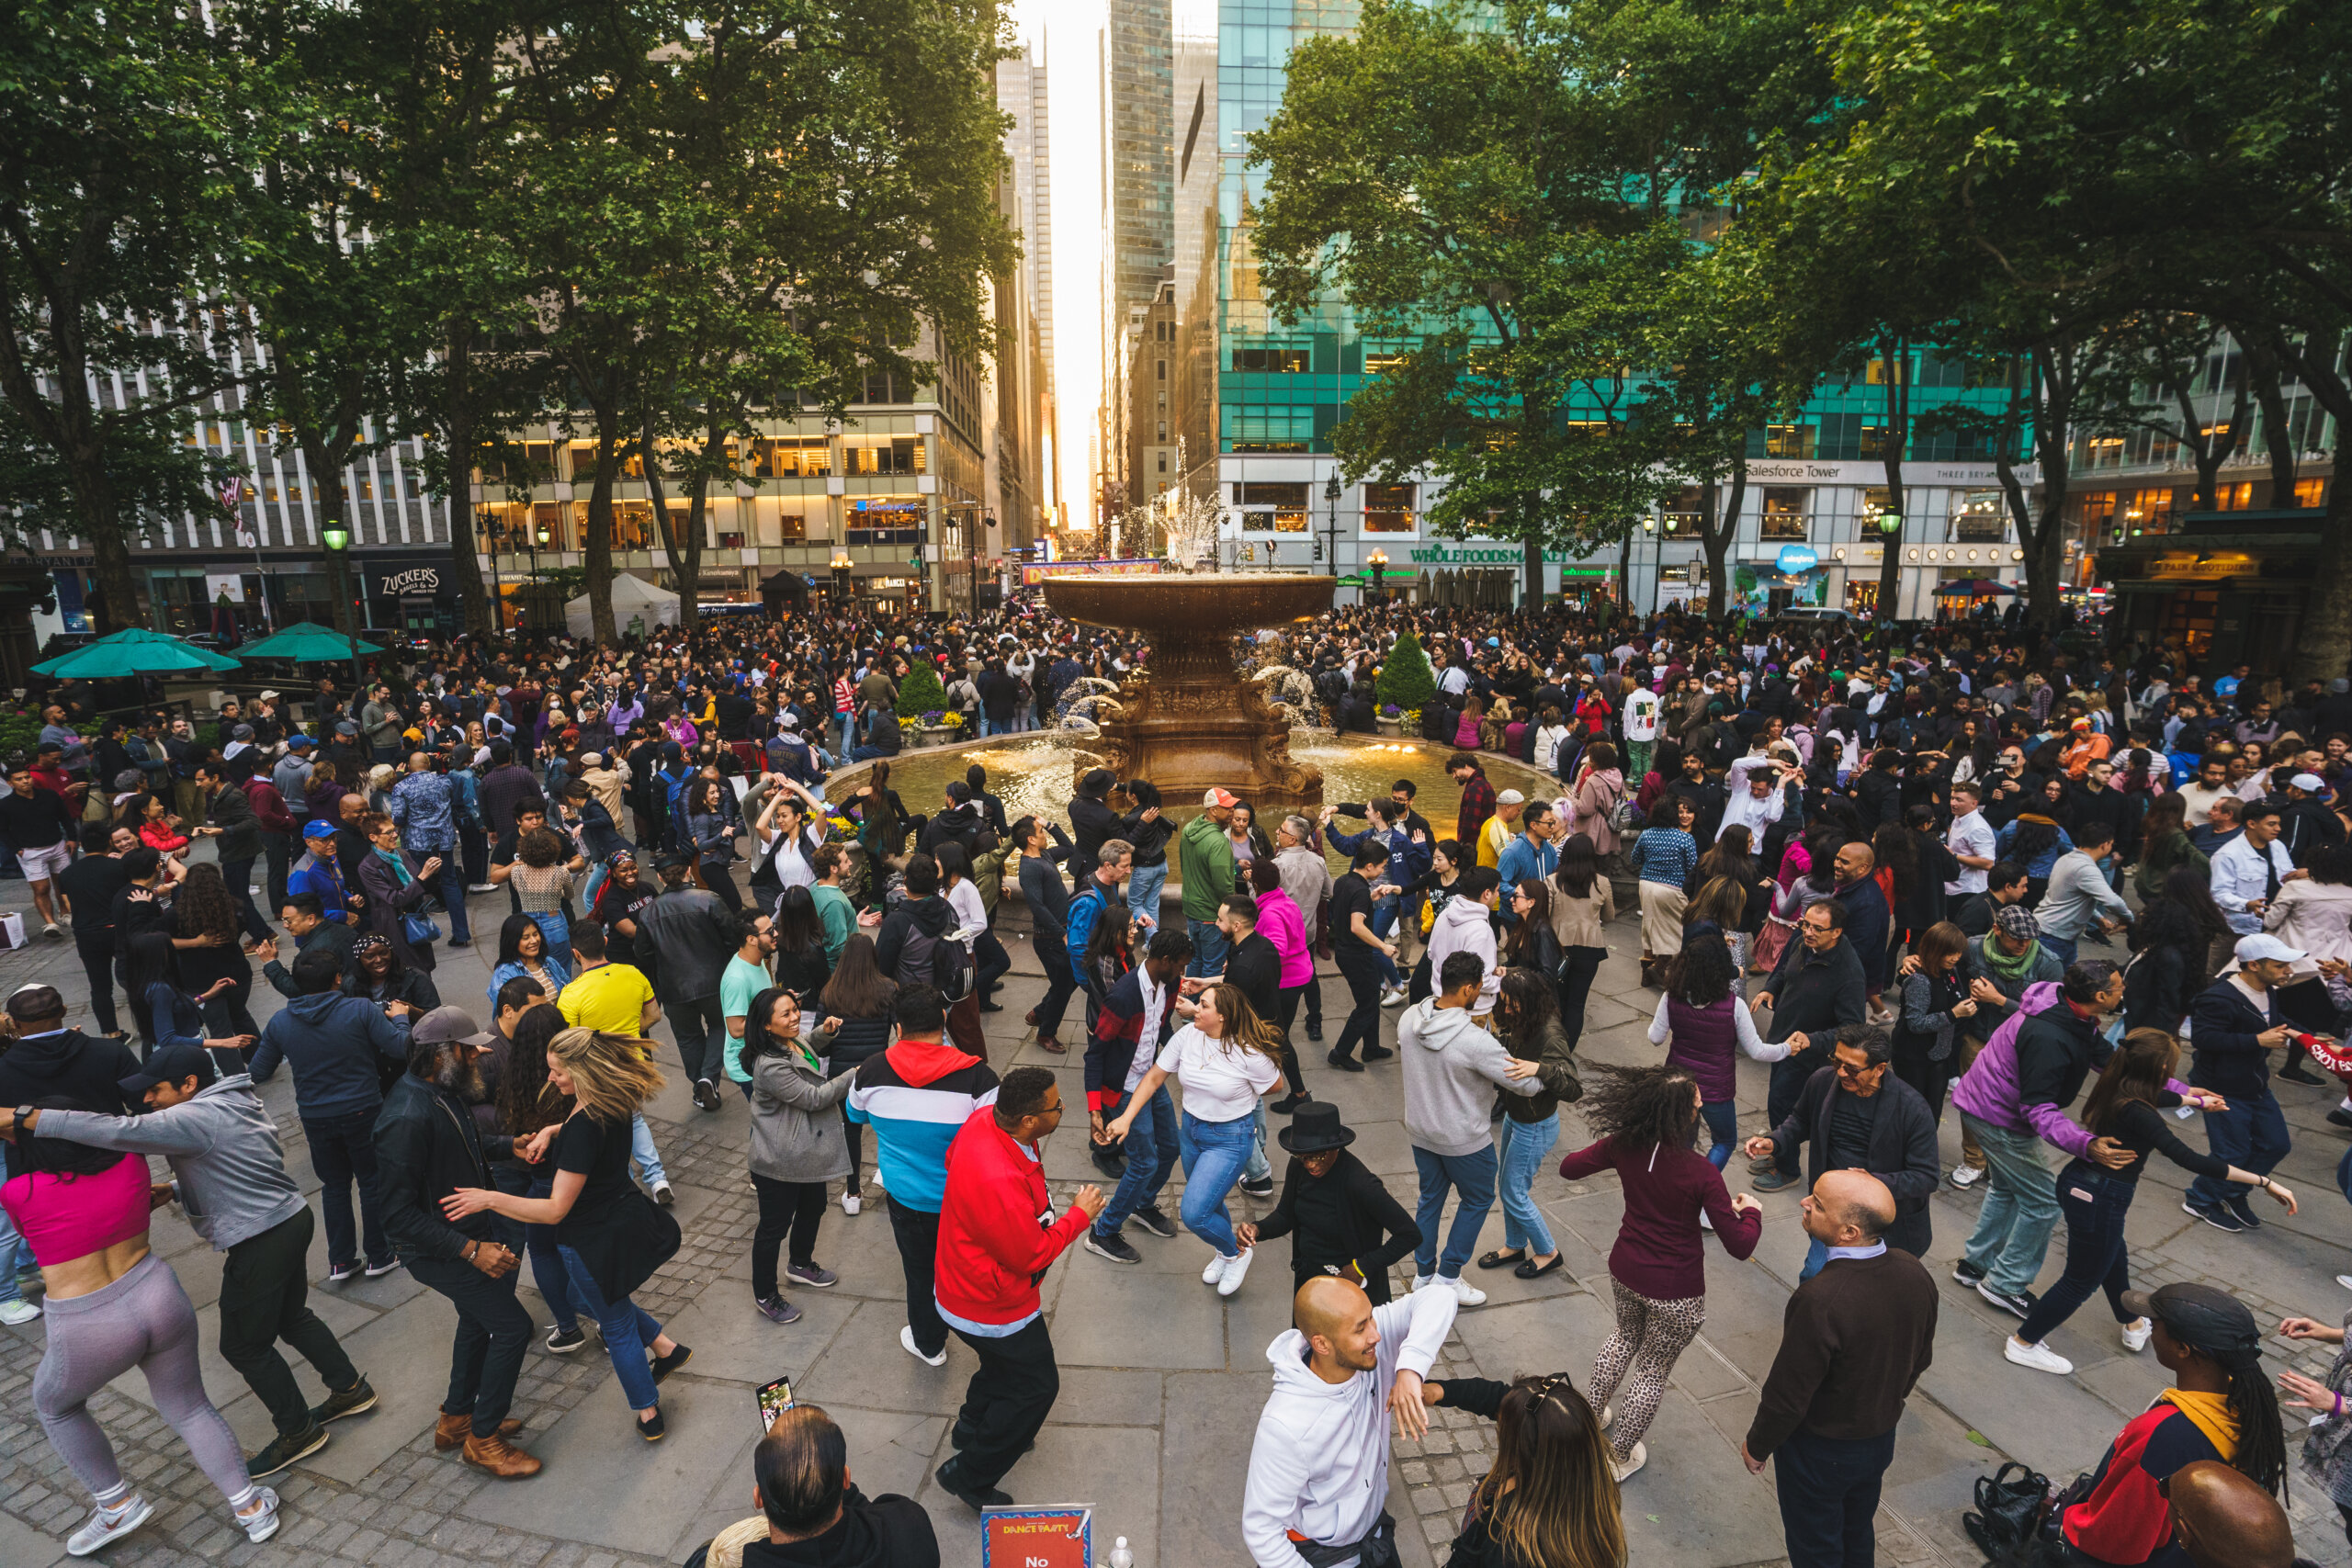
2008,1512
418,931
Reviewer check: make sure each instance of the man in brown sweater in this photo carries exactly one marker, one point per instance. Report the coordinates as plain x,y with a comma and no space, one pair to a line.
1854,1338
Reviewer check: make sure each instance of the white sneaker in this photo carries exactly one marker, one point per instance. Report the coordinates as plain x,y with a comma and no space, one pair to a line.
907,1338
1393,997
1634,1461
1465,1293
852,1203
18,1313
2040,1358
482,888
1421,1282
106,1526
1216,1271
1966,1176
261,1523
1607,1415
1235,1267
2345,1281
2136,1336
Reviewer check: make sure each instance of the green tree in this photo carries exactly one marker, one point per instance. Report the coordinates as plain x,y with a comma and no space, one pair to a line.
1406,678
920,692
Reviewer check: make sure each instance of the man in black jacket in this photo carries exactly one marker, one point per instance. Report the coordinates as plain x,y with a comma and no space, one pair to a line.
1815,991
2234,1024
427,1147
692,936
810,1513
1341,1218
1857,1116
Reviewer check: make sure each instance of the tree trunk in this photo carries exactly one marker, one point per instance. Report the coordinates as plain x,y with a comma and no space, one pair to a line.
457,481
1894,354
118,595
1717,535
2324,646
2209,452
685,563
597,543
1624,567
2263,370
1532,564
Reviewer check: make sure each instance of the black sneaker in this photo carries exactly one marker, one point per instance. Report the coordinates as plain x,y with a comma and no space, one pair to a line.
2295,1072
564,1341
706,1094
1315,1032
1155,1222
350,1402
1112,1246
1261,1187
664,1365
975,1497
285,1449
2220,1219
1378,1053
653,1431
1109,1164
1289,1103
2339,1117
1967,1273
2021,1304
2243,1211
1345,1064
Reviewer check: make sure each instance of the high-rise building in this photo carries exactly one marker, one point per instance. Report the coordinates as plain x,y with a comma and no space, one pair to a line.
1138,169
1021,93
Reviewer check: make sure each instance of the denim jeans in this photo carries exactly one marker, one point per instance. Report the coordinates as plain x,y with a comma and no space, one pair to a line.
2095,1203
641,1150
1152,1148
1143,883
627,1329
1525,1145
1473,1176
597,872
2062,948
1258,1170
536,1242
343,1150
1214,1153
2252,1135
1208,948
449,885
1722,1117
2020,1207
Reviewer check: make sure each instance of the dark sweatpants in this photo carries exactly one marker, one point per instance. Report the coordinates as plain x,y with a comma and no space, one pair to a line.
493,1332
264,1297
917,1232
1006,1404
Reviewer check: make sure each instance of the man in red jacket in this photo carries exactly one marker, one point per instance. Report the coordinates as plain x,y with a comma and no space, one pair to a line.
998,1234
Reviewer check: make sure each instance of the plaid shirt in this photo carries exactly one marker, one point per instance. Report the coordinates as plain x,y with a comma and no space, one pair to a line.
1477,805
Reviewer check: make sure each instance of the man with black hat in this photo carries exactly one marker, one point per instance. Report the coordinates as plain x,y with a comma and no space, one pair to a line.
229,1174
427,1147
1341,1220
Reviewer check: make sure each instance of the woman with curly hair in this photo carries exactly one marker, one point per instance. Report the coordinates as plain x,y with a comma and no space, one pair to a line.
212,965
1645,1117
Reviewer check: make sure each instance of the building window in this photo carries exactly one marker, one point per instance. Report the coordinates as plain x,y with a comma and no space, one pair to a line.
1978,516
1273,507
1786,510
1788,440
883,455
1268,427
2238,497
1388,509
1872,446
886,520
1163,461
2151,511
2309,493
2098,514
1159,369
1269,361
790,457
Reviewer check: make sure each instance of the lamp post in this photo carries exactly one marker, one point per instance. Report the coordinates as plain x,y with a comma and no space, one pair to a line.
841,582
1331,504
490,531
1378,560
1890,525
337,539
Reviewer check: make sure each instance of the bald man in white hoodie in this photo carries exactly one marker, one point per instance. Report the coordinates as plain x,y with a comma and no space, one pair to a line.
1318,1470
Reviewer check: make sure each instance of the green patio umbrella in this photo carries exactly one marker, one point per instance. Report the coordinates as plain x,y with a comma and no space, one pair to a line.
306,642
134,651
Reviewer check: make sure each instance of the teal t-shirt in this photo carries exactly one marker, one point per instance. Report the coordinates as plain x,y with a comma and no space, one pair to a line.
736,988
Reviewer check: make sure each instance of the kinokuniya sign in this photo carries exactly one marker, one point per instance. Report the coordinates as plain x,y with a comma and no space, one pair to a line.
418,580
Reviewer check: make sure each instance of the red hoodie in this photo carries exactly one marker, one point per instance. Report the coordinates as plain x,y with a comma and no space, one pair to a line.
998,1231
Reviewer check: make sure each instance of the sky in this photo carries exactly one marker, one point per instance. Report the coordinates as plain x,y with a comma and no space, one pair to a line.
1061,33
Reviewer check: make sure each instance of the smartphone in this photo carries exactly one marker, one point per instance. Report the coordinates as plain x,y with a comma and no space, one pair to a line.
775,1398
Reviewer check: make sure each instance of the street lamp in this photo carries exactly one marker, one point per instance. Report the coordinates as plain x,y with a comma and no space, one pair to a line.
1378,560
337,539
841,581
1331,504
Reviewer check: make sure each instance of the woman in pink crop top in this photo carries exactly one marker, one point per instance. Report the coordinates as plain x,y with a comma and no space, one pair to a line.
1647,1118
112,1304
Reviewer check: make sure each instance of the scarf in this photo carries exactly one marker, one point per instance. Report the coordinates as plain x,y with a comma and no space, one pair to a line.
400,866
2212,1415
2008,969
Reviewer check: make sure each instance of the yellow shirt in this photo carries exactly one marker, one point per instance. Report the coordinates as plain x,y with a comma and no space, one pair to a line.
609,998
1495,838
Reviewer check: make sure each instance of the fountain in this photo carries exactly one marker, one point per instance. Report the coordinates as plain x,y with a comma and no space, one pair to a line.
1189,722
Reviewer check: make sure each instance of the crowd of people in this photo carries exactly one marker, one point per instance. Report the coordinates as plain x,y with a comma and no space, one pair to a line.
2025,877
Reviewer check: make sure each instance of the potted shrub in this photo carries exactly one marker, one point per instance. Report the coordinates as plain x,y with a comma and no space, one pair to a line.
935,730
1390,718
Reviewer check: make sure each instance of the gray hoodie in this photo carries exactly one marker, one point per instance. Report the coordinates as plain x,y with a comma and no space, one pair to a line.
223,1149
1450,1063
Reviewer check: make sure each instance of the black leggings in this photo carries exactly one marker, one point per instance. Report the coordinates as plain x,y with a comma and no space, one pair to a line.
716,878
785,1207
1287,1004
854,1132
993,960
1577,966
1362,976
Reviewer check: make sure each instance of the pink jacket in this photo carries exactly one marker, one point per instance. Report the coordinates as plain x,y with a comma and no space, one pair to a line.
1281,922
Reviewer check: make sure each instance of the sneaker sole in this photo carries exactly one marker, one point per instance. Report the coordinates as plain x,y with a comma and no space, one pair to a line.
1168,1235
563,1350
131,1522
321,1417
2003,1302
1100,1251
812,1284
2215,1217
291,1460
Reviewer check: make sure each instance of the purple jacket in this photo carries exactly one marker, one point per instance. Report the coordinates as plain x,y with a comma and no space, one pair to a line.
1988,1091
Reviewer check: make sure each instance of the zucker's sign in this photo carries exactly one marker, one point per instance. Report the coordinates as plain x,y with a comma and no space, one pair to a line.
415,580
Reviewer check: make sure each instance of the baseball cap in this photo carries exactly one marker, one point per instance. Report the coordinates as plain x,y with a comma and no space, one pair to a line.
171,1064
298,743
2201,1317
669,860
445,1024
2015,922
267,697
1510,797
2261,945
346,728
2309,784
318,827
1224,797
792,721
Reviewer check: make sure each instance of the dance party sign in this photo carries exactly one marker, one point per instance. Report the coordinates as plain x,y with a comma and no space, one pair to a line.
1036,1538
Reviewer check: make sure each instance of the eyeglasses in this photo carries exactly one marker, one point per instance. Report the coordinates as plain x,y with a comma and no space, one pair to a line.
1848,1069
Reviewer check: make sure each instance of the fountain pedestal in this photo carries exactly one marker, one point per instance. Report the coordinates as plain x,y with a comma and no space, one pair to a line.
1189,722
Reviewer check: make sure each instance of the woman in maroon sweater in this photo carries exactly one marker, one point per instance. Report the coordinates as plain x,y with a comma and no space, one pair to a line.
1647,1118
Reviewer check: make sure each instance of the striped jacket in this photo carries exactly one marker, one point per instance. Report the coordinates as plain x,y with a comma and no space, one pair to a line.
917,1096
1118,1034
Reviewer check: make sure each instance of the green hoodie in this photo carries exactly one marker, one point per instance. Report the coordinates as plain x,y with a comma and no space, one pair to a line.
1205,865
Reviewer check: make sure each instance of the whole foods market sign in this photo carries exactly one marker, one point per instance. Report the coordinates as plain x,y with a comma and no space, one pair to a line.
1482,555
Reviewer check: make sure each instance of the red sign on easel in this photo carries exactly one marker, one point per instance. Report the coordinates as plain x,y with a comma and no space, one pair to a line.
1036,1538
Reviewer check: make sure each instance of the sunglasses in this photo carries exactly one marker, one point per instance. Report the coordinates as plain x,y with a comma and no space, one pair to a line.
1848,1070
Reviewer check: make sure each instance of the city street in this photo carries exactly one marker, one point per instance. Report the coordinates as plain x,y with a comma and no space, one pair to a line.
1161,1381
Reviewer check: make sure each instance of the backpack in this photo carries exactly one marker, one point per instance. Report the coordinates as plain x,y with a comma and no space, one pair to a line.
939,961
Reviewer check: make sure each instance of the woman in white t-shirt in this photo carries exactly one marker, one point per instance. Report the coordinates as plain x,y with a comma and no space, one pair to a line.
1226,1058
789,832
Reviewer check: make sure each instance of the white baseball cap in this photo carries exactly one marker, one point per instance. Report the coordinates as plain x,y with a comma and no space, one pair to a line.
2254,949
2309,784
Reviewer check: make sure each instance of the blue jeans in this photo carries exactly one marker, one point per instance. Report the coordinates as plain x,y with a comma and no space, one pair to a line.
538,1241
1208,948
2251,1135
343,1150
627,1330
865,753
1143,883
2020,1207
1471,1176
1525,1145
595,885
1214,1153
1722,1117
555,929
647,1157
1152,1149
2062,948
2095,1203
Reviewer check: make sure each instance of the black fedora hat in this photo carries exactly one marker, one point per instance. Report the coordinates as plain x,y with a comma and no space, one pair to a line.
1315,1127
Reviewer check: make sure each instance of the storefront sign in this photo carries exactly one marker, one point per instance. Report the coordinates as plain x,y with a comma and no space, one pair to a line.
2206,568
422,580
1036,1538
1797,559
1483,555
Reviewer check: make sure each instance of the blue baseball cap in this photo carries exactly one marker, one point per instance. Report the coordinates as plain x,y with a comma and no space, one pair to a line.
318,827
299,742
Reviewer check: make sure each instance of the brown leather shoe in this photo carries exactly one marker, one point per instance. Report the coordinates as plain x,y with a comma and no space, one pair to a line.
451,1430
501,1458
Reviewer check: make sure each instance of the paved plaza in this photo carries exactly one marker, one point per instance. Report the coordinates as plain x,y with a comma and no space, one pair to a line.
1161,1380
